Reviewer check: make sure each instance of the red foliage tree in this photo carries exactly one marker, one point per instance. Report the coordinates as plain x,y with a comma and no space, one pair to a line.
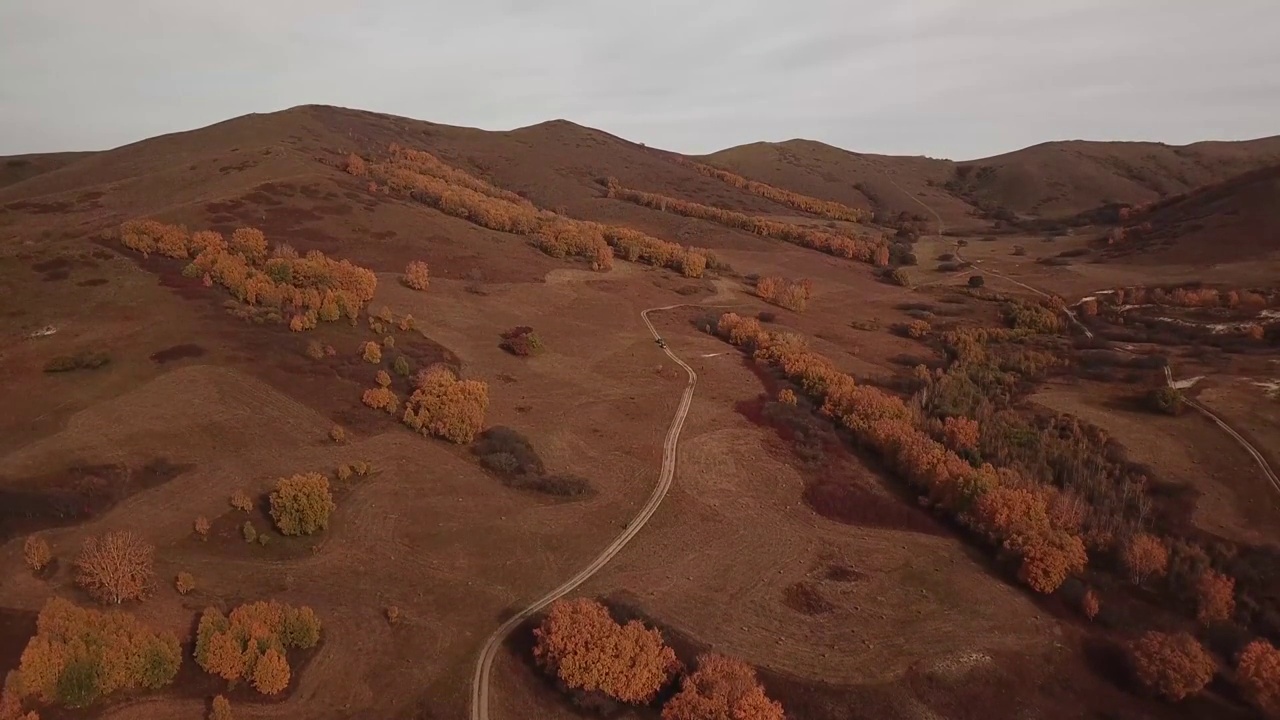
721,688
1258,675
1144,556
1172,666
1215,596
417,276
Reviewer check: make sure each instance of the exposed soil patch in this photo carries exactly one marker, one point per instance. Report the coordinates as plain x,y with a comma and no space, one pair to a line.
804,597
58,263
75,494
848,502
842,574
92,282
177,352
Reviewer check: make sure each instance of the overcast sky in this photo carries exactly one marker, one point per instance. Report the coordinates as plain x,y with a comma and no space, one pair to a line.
945,78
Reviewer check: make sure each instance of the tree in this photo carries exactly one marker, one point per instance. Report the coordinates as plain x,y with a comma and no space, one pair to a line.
220,709
36,552
1144,556
241,501
383,378
184,583
417,276
381,398
976,281
1172,666
371,352
337,434
1258,675
202,527
721,688
115,567
1215,596
271,673
1089,604
787,396
917,329
583,646
401,366
960,433
444,406
301,504
521,341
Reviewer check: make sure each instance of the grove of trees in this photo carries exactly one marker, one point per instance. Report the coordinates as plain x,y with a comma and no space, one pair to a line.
310,288
252,643
791,294
301,504
826,208
722,688
445,406
79,655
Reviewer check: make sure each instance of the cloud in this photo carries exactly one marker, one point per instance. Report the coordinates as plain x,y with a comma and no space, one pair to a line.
949,78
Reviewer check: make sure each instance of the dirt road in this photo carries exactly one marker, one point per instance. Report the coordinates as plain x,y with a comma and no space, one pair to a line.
1248,446
484,664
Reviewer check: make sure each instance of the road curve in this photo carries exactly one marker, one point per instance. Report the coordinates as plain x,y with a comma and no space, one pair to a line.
1248,446
484,664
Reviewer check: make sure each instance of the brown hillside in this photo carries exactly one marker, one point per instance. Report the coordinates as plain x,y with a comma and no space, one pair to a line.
16,168
1235,220
1063,178
856,179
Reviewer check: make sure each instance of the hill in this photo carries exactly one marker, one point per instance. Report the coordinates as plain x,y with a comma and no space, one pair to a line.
16,168
1231,221
1050,180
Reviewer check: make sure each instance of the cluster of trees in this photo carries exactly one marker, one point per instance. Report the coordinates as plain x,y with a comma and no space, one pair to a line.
252,643
860,249
521,341
1001,504
417,276
423,177
79,655
1189,296
825,208
313,288
791,294
1175,666
445,406
590,653
301,504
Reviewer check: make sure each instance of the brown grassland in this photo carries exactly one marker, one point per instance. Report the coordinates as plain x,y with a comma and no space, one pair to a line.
279,430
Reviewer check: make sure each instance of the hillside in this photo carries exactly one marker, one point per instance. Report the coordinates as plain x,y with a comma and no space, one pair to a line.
16,168
1230,221
1050,180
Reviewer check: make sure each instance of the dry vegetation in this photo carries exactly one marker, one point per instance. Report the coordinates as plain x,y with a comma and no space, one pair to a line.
825,208
252,642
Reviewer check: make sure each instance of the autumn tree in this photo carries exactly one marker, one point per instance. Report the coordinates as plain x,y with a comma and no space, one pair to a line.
916,329
1258,675
383,378
722,688
1144,556
241,501
444,406
521,341
220,709
960,433
1089,604
271,673
1215,596
202,526
371,352
588,650
184,583
356,165
301,504
337,434
416,276
1172,666
381,398
115,567
251,643
36,552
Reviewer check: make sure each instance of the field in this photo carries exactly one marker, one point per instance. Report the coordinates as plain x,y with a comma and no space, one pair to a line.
142,396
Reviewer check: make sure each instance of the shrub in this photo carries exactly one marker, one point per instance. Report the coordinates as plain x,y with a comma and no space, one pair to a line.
721,688
115,567
86,360
371,352
417,276
1172,666
36,552
252,641
383,378
337,434
344,473
1215,596
976,281
241,501
401,366
900,276
381,398
301,504
393,614
505,450
444,406
1258,675
201,526
786,396
389,342
184,583
64,662
587,650
406,323
220,709
315,351
1089,604
249,531
1165,399
1144,556
790,294
917,329
521,341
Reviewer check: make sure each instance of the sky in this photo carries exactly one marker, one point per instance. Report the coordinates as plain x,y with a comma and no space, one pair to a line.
960,79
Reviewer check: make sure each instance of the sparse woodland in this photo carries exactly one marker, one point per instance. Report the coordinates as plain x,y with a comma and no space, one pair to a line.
825,208
253,641
791,294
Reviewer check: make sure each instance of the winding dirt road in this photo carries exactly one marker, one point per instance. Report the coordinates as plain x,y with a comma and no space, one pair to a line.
484,664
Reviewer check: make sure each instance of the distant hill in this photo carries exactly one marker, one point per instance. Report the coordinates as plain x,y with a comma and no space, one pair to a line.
1238,219
16,168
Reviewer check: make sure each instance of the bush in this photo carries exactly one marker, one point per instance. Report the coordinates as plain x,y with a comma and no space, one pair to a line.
1215,596
416,276
371,352
587,650
64,662
790,294
393,614
36,553
505,450
220,709
900,276
401,366
1019,250
301,504
381,398
1166,400
444,406
976,281
337,434
315,351
184,583
766,316
115,567
241,501
251,642
521,341
721,688
201,527
1258,675
1173,666
917,329
383,378
249,532
85,360
1144,556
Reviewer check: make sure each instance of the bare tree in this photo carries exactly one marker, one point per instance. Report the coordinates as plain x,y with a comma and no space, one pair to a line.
115,567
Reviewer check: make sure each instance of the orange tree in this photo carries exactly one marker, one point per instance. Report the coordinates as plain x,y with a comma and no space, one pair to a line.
1258,675
251,643
444,406
1172,666
721,688
301,504
587,650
